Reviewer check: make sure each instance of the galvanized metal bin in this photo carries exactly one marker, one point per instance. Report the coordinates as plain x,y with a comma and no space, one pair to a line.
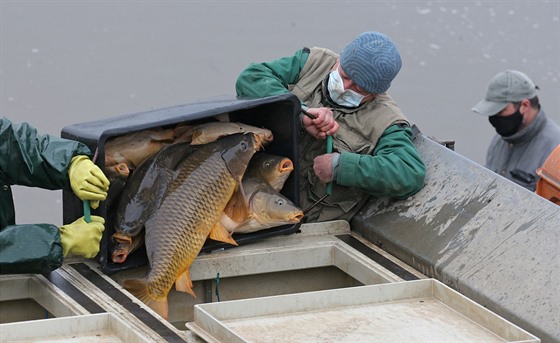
280,114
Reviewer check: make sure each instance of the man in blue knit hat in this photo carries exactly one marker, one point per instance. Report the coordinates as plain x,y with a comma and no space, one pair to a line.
373,153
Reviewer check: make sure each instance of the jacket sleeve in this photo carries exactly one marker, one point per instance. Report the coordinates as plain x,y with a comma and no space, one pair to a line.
31,159
395,169
30,248
260,80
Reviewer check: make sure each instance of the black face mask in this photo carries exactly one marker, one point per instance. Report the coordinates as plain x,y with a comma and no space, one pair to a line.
507,126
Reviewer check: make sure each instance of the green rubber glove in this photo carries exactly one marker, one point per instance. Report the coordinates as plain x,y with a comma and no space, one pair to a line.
87,180
81,238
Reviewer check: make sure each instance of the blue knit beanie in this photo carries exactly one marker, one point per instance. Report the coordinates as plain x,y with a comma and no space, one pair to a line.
371,61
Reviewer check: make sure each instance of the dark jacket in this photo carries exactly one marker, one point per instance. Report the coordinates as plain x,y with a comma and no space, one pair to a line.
30,159
518,156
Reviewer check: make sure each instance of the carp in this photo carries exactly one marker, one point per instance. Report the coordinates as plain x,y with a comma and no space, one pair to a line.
273,169
260,207
209,132
133,148
144,191
123,154
200,188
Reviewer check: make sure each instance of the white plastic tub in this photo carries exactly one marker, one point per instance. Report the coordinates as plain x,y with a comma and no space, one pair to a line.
30,297
414,311
99,328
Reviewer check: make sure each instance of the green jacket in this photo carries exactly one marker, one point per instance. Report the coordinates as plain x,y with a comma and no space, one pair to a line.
388,166
34,160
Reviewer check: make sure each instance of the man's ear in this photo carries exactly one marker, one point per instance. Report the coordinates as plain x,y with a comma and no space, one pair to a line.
525,104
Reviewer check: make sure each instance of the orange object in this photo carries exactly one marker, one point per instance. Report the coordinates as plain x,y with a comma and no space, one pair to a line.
548,185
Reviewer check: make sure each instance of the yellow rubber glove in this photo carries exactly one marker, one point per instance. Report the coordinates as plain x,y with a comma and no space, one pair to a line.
87,180
81,238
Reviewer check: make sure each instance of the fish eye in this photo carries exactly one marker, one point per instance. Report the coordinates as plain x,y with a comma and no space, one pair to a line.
280,202
244,145
267,164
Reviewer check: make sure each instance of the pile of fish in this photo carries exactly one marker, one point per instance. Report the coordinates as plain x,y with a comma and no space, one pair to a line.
186,185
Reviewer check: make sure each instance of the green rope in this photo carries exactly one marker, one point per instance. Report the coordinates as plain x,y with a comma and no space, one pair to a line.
218,286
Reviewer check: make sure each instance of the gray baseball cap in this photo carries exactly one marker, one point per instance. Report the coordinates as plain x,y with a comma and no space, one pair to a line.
508,86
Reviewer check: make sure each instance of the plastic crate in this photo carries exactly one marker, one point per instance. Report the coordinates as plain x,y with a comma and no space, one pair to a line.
280,114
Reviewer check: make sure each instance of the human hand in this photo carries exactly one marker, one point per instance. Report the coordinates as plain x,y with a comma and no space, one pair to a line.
323,168
87,180
323,124
81,238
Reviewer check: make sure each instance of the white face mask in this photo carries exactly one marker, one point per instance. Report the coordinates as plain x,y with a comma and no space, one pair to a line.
347,98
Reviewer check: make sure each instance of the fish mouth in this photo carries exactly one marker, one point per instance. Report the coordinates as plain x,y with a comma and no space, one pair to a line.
297,217
286,166
118,257
122,169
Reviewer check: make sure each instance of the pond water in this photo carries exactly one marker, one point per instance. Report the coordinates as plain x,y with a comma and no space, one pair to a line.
67,62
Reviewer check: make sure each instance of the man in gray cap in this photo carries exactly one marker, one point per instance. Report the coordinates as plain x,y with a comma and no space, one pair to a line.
373,153
525,136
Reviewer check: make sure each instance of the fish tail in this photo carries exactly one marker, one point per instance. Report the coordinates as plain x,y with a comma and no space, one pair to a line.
139,288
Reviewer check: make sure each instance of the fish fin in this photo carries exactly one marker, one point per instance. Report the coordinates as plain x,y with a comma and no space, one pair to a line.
197,137
183,133
184,283
228,223
160,306
236,209
163,136
220,233
139,288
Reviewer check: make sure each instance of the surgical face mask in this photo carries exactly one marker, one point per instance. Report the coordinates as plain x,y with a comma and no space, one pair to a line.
508,125
347,98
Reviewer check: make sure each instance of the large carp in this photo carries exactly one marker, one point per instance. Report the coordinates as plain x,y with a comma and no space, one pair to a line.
259,207
196,197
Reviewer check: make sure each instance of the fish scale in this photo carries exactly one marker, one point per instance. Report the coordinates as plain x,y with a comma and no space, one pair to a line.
195,184
196,198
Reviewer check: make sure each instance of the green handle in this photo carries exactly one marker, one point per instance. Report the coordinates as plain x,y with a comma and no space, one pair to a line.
329,151
87,212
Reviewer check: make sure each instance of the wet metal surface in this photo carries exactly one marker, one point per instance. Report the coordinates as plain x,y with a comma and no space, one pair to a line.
481,234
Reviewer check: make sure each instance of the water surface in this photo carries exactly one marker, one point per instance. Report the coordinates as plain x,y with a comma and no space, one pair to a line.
65,62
